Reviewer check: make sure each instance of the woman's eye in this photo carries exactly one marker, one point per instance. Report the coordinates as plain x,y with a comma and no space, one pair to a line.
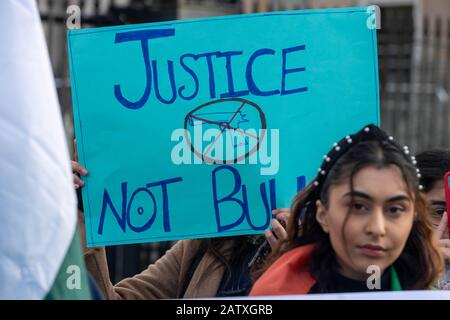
396,210
359,207
439,211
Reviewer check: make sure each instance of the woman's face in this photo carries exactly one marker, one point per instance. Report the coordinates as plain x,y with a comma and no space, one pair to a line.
379,220
436,198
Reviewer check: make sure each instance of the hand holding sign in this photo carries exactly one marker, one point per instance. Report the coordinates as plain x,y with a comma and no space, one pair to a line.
278,234
443,237
77,168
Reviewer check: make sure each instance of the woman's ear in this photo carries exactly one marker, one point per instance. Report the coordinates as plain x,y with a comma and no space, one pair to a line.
321,216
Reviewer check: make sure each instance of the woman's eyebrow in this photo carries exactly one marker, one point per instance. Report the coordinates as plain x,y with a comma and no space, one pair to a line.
399,198
438,203
358,194
368,197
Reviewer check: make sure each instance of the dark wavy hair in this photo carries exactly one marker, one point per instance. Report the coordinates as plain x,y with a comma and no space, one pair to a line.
419,264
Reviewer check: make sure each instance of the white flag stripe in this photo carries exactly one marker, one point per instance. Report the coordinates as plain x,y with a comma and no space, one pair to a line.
38,215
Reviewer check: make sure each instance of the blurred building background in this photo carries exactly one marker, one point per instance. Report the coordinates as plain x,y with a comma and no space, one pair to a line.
414,69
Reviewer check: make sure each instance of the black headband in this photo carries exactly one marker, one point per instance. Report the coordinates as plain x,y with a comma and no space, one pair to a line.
368,133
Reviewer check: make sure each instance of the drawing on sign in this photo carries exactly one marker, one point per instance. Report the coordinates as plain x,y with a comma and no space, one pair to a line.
222,122
237,118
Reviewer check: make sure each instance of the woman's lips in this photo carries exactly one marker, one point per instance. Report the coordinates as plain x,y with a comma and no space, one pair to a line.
371,250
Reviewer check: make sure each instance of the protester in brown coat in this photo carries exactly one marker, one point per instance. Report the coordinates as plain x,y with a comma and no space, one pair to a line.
191,268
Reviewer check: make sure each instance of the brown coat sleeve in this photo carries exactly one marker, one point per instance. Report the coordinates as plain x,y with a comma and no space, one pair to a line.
161,280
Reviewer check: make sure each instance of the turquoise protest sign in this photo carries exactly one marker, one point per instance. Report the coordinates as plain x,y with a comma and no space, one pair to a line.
200,128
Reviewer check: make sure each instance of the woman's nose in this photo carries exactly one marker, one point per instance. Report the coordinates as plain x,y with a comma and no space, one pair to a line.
376,223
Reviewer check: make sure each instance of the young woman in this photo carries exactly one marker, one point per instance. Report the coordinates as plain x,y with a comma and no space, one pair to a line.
191,268
362,215
433,165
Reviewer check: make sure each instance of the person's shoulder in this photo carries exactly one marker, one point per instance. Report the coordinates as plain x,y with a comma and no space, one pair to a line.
187,245
289,274
296,257
302,250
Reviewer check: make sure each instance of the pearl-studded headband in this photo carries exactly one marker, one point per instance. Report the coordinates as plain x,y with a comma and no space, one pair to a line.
368,133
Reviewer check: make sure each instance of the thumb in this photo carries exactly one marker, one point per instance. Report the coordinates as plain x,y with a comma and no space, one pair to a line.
443,225
75,151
